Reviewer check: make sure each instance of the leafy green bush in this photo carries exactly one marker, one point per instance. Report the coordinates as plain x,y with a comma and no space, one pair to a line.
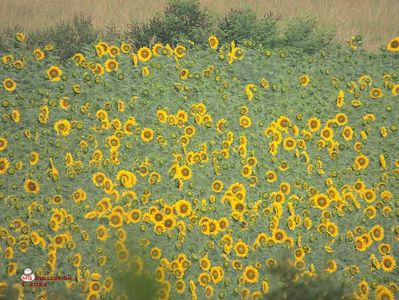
305,34
67,37
242,24
181,19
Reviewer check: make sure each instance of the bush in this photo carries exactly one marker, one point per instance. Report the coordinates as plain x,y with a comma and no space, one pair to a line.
181,20
67,37
242,24
303,33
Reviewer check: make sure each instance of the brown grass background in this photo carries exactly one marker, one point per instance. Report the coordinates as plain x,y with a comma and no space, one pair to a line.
376,20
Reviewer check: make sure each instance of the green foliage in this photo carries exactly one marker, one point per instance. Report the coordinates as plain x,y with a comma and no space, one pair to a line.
181,19
303,33
7,39
242,24
302,287
67,37
138,287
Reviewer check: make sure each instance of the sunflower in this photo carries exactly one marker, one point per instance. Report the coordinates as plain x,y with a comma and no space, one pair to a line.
184,74
31,186
217,186
314,124
271,176
393,45
155,253
115,219
15,116
20,37
34,158
339,101
79,195
180,286
113,51
213,42
251,274
180,51
111,65
3,143
241,248
376,93
304,80
383,293
99,70
78,58
204,278
377,232
169,222
361,162
145,72
217,274
388,263
9,253
102,233
189,131
4,165
144,54
185,172
347,133
126,178
395,89
183,208
246,171
108,283
205,263
369,195
322,201
156,49
285,188
62,127
384,248
327,133
147,134
245,121
9,84
341,119
54,73
289,143
332,229
12,269
331,266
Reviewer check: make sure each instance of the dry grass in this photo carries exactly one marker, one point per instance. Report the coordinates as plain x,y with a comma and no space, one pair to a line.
376,20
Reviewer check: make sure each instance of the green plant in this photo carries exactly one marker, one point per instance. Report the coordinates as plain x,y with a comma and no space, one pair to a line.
297,286
304,33
67,37
181,19
242,24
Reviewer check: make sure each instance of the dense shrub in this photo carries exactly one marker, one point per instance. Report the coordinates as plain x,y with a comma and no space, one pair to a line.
305,34
242,24
68,37
181,19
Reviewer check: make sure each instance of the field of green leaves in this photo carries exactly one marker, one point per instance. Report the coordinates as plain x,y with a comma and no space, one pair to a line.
202,168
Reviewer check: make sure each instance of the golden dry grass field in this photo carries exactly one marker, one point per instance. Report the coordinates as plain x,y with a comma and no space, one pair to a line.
376,20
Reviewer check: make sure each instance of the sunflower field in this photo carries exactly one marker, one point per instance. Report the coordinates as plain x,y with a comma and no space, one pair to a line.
201,168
